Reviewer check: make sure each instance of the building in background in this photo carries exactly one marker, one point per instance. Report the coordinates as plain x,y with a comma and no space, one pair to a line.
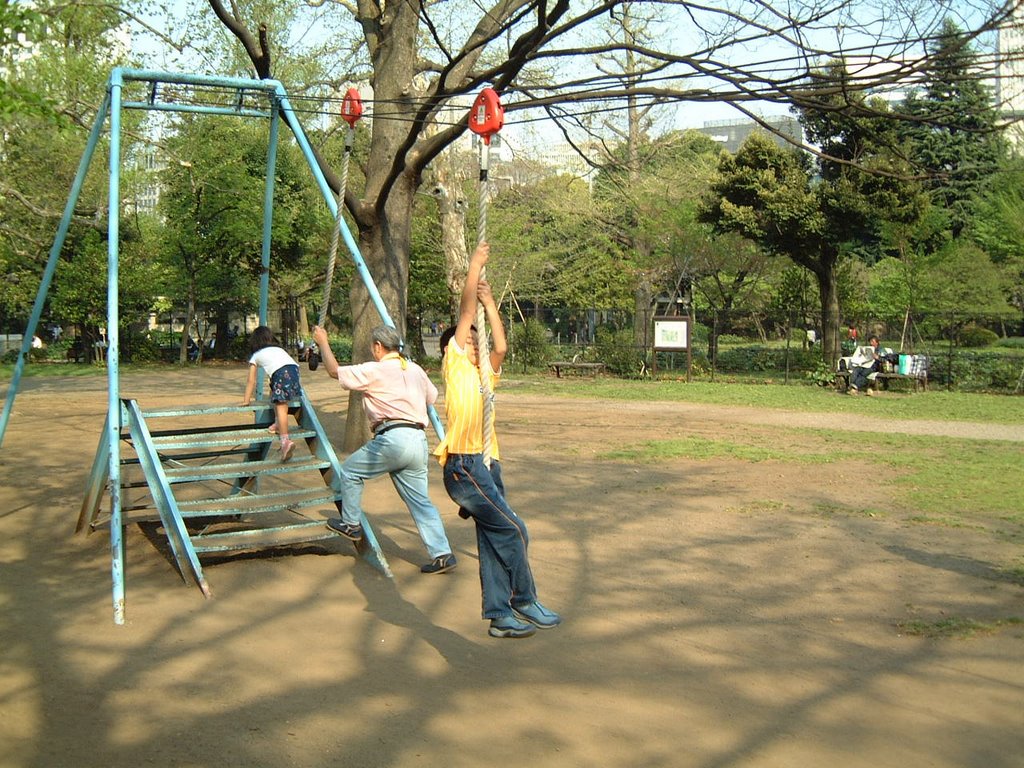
1010,80
784,130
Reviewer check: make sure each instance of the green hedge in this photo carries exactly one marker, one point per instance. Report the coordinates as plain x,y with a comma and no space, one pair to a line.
975,370
757,359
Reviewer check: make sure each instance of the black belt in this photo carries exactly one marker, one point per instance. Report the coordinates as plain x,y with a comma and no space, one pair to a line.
386,426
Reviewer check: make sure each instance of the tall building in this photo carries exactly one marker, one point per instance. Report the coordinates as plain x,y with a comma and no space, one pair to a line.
786,131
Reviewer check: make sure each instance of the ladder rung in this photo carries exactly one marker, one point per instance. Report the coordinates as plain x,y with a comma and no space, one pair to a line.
241,504
256,538
227,439
259,405
242,469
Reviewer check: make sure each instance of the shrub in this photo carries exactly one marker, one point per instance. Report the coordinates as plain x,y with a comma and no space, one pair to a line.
617,350
731,340
1011,342
976,336
530,344
765,359
341,346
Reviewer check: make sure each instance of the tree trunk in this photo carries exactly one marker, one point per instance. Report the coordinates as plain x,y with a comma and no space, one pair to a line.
641,310
827,289
452,212
385,250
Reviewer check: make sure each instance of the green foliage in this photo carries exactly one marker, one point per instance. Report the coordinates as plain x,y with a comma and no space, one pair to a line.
823,374
552,253
977,336
1011,342
976,371
956,141
618,352
999,227
341,346
21,25
962,278
529,344
66,74
428,291
213,206
758,359
725,339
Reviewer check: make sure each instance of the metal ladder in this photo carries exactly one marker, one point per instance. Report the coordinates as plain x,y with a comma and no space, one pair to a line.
215,483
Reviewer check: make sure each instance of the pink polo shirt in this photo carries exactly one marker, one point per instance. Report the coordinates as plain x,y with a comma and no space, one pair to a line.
393,388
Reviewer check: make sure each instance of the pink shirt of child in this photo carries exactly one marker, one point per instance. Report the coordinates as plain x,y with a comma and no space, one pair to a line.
393,388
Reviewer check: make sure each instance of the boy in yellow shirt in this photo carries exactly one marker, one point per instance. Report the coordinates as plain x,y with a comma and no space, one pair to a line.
509,593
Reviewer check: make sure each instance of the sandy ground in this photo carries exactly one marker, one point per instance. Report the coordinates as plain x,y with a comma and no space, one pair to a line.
717,613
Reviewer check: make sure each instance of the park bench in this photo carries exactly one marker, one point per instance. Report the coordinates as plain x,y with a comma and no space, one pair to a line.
882,380
571,365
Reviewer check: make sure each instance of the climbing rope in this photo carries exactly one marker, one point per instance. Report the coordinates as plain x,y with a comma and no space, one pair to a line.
485,119
351,110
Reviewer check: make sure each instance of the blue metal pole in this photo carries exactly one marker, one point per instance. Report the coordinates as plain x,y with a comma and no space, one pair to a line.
328,193
51,264
259,86
113,373
268,220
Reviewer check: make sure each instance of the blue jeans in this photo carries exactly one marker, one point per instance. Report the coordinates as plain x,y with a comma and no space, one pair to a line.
401,453
501,537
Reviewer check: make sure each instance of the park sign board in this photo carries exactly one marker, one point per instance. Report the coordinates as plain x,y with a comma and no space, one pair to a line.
672,334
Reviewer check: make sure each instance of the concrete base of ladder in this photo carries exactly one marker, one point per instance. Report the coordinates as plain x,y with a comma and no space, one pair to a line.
213,478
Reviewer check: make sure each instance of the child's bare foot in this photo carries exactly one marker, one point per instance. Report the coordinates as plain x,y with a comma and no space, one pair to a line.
287,449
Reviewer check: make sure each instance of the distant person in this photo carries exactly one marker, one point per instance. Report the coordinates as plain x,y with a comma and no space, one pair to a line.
509,592
396,393
284,382
864,364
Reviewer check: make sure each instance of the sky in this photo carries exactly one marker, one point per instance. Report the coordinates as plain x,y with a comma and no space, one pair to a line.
681,115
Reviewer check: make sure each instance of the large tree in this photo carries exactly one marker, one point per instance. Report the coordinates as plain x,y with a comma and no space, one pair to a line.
421,59
212,203
50,90
816,212
953,128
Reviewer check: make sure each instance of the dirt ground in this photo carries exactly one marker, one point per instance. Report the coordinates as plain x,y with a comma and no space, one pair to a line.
717,613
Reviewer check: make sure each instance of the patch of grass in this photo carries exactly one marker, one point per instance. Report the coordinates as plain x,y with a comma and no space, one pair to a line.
1013,575
939,480
953,479
955,627
935,405
699,448
943,522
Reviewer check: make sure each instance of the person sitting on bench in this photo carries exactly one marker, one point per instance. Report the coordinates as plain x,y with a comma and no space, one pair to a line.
866,361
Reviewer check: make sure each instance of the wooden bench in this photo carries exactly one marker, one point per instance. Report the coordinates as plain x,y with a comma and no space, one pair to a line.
568,365
882,380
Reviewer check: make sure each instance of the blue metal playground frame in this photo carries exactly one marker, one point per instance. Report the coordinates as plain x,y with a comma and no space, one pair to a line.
278,107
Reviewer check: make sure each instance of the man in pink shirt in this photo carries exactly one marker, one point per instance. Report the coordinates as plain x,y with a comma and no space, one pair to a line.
396,393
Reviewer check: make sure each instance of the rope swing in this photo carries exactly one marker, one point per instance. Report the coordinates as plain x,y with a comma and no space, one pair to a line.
351,110
485,119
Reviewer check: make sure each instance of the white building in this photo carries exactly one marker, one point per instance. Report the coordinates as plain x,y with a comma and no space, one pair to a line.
1010,80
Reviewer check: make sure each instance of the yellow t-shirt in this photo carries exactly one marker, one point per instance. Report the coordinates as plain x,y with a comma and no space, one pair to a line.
463,405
